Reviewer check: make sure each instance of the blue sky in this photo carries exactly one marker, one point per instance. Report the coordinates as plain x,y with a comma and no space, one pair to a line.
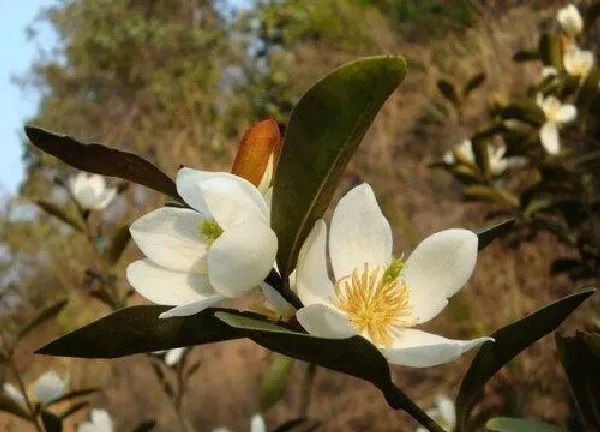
16,54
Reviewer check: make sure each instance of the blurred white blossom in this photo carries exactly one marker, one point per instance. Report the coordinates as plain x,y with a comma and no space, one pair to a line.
498,163
570,20
578,62
257,424
444,413
14,393
90,191
556,114
49,387
173,356
100,421
376,295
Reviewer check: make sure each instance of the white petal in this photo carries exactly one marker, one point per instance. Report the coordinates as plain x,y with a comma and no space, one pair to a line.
97,183
188,186
416,348
171,238
230,204
174,355
14,393
324,321
446,409
167,287
49,387
549,137
241,258
359,233
312,281
105,198
439,267
566,114
275,299
102,419
192,308
257,424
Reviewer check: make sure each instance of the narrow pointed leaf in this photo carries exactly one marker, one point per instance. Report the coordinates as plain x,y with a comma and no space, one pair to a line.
60,214
446,88
99,159
474,83
580,356
44,316
489,234
322,134
509,342
138,329
274,381
118,244
508,424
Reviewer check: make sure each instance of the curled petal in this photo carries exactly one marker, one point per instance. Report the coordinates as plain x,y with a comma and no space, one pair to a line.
550,138
324,321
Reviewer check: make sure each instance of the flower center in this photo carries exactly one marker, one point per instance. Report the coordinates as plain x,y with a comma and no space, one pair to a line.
210,231
375,301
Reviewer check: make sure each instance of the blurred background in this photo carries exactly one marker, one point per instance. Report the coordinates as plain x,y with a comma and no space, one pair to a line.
178,81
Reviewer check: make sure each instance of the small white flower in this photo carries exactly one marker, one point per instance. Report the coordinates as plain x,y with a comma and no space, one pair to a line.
100,422
49,387
376,296
257,424
570,20
556,114
464,151
578,62
14,393
173,356
498,163
549,71
222,247
90,191
444,413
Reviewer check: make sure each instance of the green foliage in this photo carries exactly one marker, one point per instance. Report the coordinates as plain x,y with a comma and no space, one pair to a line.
507,424
274,380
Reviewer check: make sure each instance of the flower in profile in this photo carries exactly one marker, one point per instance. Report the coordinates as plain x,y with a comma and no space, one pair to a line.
100,421
375,295
223,246
444,413
556,114
570,20
578,62
463,153
90,191
47,388
257,424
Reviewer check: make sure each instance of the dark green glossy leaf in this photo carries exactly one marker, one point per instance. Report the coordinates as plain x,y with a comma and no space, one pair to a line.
322,134
73,395
446,88
354,356
59,213
118,244
525,111
274,380
474,83
488,234
99,159
51,422
550,50
508,424
509,342
138,329
45,315
525,56
580,356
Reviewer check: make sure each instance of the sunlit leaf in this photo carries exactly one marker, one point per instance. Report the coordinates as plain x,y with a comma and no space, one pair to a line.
59,213
44,316
322,134
274,380
118,243
509,342
99,159
580,356
508,424
474,83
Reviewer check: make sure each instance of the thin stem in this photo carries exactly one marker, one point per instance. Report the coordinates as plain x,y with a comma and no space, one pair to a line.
23,390
307,385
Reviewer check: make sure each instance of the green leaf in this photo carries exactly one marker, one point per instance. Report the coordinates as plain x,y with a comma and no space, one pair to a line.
45,315
509,342
481,155
274,380
474,83
354,356
525,111
488,234
138,329
525,56
446,88
580,356
322,134
118,244
508,424
550,50
59,213
51,422
99,159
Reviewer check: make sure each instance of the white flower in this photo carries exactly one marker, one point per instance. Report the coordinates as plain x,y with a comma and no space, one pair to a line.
222,247
49,387
173,356
556,114
90,191
257,424
14,393
578,62
570,20
375,295
444,413
498,163
100,422
549,71
463,151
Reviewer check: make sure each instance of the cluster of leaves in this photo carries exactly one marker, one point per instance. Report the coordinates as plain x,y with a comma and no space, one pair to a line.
550,191
323,132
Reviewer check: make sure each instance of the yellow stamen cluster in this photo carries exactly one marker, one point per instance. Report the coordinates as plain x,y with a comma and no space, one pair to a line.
376,304
210,231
